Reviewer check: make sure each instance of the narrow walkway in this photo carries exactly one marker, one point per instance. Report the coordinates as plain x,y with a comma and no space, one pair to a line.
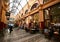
21,36
15,35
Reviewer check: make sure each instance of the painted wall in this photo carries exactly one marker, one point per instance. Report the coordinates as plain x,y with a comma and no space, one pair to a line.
4,20
0,8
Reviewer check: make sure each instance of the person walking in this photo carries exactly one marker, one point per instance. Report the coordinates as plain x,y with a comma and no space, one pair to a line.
10,27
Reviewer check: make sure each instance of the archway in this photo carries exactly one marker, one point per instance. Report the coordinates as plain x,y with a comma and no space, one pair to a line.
34,6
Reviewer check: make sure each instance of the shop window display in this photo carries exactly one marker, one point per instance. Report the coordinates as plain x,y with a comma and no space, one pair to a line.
47,17
36,17
54,18
52,13
55,13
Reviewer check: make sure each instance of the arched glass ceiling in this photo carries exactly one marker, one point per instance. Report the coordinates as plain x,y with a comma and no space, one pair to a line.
19,7
16,5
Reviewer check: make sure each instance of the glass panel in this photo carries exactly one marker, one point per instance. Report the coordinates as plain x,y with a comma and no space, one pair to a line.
11,0
19,7
14,4
17,11
11,4
13,11
15,1
23,2
13,8
55,13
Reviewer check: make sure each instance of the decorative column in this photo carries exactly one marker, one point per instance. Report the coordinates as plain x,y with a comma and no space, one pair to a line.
41,19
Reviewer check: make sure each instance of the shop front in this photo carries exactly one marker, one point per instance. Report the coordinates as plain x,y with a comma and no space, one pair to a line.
32,21
52,14
52,18
27,22
35,22
36,17
28,19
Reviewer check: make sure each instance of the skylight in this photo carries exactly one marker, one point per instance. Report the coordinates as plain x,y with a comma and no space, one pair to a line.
16,5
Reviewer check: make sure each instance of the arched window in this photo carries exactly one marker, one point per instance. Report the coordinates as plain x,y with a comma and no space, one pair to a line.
26,11
22,14
34,6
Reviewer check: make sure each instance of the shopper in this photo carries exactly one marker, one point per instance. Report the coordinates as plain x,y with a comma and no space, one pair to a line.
51,32
46,32
10,27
